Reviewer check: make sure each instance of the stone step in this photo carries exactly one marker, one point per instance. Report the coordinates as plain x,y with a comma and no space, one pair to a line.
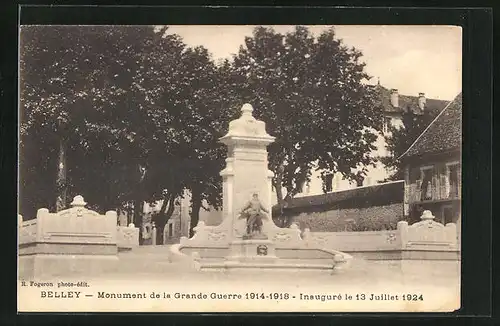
147,250
145,259
146,264
151,248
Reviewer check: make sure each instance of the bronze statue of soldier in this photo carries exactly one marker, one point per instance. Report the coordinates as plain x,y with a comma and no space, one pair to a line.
254,212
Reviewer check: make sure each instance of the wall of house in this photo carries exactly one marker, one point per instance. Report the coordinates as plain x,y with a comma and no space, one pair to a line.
374,175
181,219
349,219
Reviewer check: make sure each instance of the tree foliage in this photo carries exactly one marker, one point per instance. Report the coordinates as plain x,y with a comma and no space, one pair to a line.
311,93
140,113
130,103
201,120
399,139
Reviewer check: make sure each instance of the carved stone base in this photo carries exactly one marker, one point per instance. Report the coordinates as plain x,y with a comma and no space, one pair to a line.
256,236
254,250
258,267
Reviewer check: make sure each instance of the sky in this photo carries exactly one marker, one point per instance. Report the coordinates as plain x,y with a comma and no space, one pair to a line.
412,59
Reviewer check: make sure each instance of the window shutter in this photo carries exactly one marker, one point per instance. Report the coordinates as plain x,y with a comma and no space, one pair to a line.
459,180
444,185
418,190
433,185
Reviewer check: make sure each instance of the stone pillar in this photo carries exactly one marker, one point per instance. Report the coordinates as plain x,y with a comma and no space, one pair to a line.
127,237
122,219
406,204
153,234
246,169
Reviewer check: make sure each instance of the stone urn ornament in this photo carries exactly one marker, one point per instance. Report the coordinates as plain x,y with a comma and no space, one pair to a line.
79,204
427,218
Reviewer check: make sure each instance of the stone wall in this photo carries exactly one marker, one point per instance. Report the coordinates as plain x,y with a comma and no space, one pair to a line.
346,219
424,240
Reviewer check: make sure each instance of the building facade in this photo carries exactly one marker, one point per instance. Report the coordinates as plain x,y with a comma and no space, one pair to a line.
433,168
178,224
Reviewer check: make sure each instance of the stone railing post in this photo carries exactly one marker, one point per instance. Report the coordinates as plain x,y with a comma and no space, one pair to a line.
128,237
19,220
451,233
112,215
153,234
41,214
402,228
306,235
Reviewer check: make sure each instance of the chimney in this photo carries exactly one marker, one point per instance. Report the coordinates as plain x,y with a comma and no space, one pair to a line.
394,98
421,101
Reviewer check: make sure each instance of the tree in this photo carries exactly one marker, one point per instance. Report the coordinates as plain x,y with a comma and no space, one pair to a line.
141,115
201,118
399,139
313,96
89,86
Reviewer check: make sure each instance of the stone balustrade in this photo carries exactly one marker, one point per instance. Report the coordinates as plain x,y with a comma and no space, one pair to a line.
427,240
73,241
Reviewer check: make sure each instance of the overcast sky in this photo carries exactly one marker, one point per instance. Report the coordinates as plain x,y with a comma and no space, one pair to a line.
412,59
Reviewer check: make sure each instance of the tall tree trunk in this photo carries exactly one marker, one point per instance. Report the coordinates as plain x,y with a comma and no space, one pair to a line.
278,186
195,210
279,196
164,216
138,208
139,201
61,183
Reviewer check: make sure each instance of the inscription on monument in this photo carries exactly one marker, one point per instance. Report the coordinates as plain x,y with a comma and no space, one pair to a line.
262,250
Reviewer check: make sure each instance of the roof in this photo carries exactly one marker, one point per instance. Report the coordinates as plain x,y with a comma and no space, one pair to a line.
376,195
407,102
444,134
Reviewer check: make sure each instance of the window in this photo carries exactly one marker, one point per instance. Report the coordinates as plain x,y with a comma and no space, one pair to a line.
170,230
453,176
386,124
426,186
448,216
337,182
414,175
328,182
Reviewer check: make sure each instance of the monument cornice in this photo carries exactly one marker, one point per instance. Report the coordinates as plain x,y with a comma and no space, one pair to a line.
246,129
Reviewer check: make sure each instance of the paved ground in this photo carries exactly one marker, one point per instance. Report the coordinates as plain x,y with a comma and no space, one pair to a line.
150,271
154,265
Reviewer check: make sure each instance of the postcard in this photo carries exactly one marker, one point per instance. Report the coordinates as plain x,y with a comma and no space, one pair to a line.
239,168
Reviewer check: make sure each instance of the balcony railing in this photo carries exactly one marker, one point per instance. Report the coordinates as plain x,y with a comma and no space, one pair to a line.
435,193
